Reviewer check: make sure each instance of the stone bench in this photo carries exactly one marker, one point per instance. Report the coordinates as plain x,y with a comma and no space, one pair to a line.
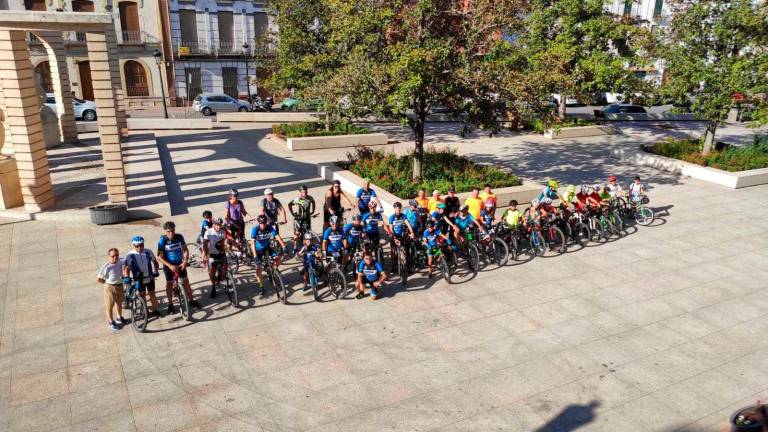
336,141
579,131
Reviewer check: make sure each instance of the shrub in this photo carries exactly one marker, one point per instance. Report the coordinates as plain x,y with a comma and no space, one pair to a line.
537,125
732,159
309,129
442,168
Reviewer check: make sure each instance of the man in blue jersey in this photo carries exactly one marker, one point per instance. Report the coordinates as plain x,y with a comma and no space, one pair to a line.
261,245
370,273
173,254
334,241
372,221
465,221
364,196
396,229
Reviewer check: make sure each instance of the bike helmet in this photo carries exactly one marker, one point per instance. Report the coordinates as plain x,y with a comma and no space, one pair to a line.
357,217
553,184
597,187
169,226
303,188
441,206
535,202
308,235
267,191
571,189
584,189
430,223
207,214
333,220
489,203
413,203
218,221
137,240
546,200
372,204
261,219
233,192
464,208
611,178
397,204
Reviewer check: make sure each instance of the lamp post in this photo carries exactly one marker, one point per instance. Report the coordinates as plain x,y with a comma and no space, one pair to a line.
246,54
159,59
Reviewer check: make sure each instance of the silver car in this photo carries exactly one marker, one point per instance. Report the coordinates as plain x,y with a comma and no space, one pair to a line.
210,103
84,109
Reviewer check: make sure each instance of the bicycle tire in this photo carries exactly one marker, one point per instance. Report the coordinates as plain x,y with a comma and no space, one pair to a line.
280,288
380,255
512,247
337,283
556,240
402,266
606,228
473,258
537,243
233,262
618,223
313,283
139,313
644,216
184,304
500,252
445,269
582,234
194,255
232,289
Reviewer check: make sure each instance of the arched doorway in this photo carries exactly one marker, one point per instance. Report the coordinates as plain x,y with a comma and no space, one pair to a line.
43,70
86,85
135,79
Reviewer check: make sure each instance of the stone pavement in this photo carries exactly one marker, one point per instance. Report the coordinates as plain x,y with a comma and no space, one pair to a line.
657,331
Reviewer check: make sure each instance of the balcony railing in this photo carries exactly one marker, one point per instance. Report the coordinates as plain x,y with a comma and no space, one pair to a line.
193,48
140,89
208,48
132,37
227,48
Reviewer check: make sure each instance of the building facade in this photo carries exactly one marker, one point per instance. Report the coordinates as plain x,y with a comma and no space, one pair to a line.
212,42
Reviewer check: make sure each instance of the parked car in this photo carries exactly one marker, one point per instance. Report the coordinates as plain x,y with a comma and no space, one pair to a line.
620,109
293,104
569,100
210,103
84,109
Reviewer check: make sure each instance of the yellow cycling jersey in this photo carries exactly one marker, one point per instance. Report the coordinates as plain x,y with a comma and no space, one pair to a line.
511,217
569,197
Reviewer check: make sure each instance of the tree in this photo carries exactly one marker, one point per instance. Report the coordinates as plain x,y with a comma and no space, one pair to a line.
401,58
577,48
717,50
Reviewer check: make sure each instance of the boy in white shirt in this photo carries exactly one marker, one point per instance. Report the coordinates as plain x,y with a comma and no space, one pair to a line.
111,275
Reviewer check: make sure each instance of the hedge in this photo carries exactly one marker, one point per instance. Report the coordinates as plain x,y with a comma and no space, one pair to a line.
310,129
732,159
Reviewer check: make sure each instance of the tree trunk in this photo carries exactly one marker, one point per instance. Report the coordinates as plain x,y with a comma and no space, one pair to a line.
561,107
418,152
327,121
709,137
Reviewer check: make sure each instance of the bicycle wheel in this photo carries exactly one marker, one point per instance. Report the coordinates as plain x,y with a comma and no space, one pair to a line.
513,249
380,255
402,266
606,228
498,252
233,261
644,216
231,289
473,258
280,289
337,283
139,313
581,234
555,240
445,269
184,304
537,243
618,222
313,283
195,252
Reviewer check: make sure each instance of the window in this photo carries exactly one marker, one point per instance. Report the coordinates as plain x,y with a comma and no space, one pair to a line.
50,100
35,5
135,79
194,81
43,70
226,33
187,20
260,22
229,75
628,7
129,22
657,8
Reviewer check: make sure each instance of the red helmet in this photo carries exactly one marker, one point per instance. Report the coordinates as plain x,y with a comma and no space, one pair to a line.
611,178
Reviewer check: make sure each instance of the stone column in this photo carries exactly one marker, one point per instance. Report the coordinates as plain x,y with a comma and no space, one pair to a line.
117,83
23,113
54,46
109,129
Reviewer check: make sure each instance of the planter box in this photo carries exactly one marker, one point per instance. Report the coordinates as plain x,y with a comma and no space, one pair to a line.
336,141
733,180
109,214
579,131
266,117
351,182
10,187
163,123
651,117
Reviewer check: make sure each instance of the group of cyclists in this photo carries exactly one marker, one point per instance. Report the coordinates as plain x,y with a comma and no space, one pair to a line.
429,224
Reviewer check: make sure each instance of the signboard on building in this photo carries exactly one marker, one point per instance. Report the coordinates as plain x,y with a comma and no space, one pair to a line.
183,50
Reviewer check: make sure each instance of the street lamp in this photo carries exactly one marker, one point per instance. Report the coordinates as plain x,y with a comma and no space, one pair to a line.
246,54
159,59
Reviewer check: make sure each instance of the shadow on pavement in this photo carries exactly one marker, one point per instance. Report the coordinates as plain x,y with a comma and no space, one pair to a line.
571,418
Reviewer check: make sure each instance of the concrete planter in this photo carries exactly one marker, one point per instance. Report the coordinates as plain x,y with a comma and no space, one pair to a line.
579,131
733,180
266,117
336,141
350,183
109,214
163,123
10,187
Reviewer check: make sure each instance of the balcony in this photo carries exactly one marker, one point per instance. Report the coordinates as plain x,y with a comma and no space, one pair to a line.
138,38
192,48
229,49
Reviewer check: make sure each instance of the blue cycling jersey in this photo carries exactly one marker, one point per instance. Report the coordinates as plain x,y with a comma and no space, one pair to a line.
548,193
412,216
365,196
371,221
335,239
353,232
370,272
431,237
307,254
487,217
261,238
398,224
464,222
173,250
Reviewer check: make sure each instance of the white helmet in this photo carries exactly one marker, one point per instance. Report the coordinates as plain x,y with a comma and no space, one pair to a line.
547,200
584,188
535,202
597,187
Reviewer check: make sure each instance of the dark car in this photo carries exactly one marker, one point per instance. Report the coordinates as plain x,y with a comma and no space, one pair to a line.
620,109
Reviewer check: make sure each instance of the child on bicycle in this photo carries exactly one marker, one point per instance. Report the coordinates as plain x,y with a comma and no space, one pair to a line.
205,225
486,213
307,255
613,187
636,189
430,241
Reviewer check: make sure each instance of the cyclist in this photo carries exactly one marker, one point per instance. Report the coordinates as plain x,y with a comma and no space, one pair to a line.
353,232
111,275
206,223
570,195
414,215
302,215
396,230
613,187
605,194
307,255
371,273
452,203
272,208
214,248
364,196
464,221
261,245
512,216
173,254
429,239
142,261
531,214
636,189
486,214
332,205
441,219
580,203
372,221
550,191
474,203
434,201
421,198
234,214
487,194
594,200
334,241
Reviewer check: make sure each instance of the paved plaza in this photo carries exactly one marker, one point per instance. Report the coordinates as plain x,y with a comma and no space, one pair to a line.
661,330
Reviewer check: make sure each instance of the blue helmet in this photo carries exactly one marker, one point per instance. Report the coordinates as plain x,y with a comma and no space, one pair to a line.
137,240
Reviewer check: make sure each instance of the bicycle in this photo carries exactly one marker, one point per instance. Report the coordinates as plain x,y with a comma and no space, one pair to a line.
578,230
537,245
376,249
401,252
614,217
510,235
553,235
230,286
312,274
494,248
334,277
599,226
239,253
275,278
441,261
178,290
196,254
642,214
134,292
471,251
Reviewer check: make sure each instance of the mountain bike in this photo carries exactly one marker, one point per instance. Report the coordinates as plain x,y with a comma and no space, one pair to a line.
334,276
599,226
228,284
536,242
553,235
275,277
511,235
196,255
313,274
441,260
401,253
642,214
177,286
470,250
493,248
134,292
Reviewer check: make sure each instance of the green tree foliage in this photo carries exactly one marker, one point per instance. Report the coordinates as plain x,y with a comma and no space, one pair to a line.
577,48
716,49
